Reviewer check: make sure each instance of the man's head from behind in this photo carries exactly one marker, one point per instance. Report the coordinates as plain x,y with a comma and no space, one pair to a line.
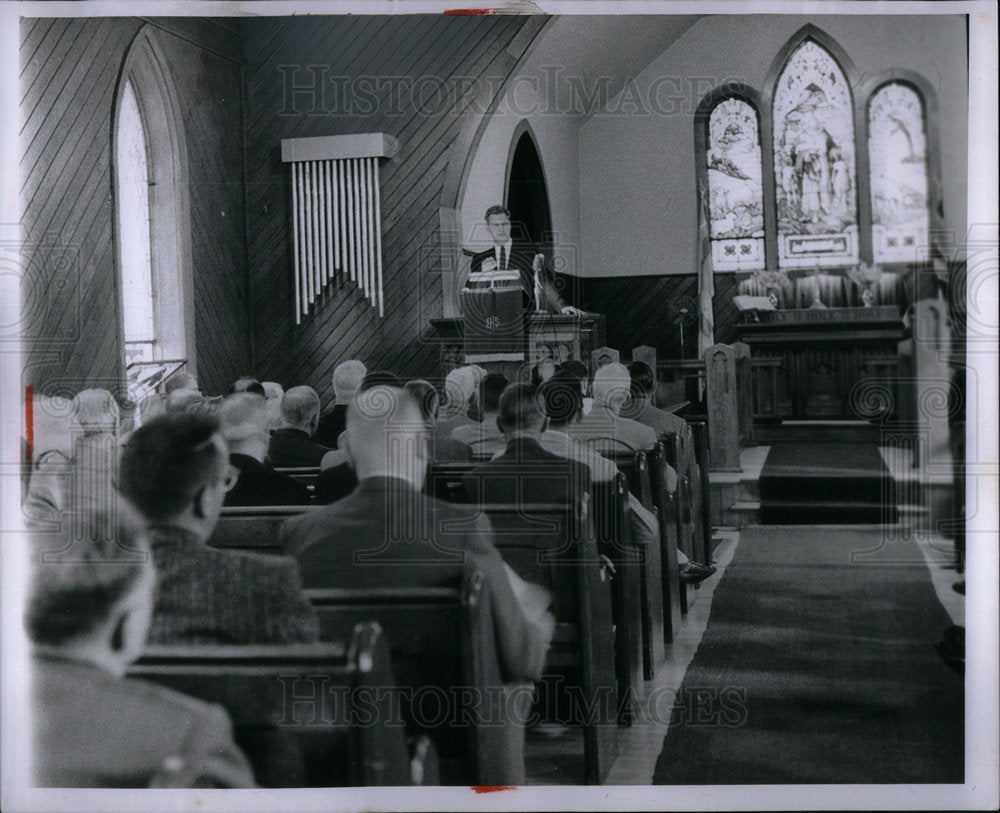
96,411
388,435
181,380
243,418
562,398
611,386
520,413
97,603
490,390
347,377
300,409
175,470
498,222
459,387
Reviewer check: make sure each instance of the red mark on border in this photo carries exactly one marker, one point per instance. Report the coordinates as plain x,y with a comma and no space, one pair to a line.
462,12
29,423
492,788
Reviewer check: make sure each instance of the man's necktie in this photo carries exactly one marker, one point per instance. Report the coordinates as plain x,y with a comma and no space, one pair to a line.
503,258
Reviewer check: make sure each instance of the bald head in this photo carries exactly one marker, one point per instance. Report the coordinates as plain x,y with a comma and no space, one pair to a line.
243,419
347,377
300,409
612,386
387,435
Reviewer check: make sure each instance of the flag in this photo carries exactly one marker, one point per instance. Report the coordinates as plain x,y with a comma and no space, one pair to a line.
706,281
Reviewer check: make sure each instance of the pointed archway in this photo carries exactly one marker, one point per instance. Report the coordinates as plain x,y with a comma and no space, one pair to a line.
527,196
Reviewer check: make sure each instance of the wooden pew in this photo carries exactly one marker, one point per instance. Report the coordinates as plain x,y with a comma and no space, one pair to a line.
609,507
679,529
255,528
655,598
553,546
699,432
445,659
667,515
444,481
306,715
304,474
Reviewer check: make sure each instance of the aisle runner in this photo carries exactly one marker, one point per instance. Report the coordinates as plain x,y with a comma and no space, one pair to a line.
826,483
815,669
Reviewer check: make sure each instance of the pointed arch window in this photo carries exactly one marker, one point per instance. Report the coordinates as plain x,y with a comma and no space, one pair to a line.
735,187
134,232
814,162
897,149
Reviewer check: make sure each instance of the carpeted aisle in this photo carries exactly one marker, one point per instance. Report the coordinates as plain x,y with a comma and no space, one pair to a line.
814,669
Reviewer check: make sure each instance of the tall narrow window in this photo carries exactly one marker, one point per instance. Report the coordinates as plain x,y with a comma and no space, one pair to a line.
814,162
897,148
735,189
134,232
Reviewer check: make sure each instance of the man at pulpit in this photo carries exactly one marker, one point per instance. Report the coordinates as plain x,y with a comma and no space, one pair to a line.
506,254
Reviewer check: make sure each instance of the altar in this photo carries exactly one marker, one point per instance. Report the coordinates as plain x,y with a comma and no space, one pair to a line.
824,363
554,336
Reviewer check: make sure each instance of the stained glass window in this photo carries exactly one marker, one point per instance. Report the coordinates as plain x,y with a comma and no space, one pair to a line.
735,189
897,149
814,163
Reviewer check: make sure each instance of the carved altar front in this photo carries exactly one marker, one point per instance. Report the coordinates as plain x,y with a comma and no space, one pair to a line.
832,363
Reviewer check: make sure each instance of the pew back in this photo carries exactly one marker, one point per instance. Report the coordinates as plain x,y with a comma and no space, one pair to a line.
303,713
253,528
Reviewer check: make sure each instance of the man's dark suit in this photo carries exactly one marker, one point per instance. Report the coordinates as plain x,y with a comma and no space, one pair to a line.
521,258
207,595
92,729
330,426
526,473
363,541
259,484
293,448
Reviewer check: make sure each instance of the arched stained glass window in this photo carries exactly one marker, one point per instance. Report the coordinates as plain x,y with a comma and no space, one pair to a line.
735,189
897,148
134,232
814,162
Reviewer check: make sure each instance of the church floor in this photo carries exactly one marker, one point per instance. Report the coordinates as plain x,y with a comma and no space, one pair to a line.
555,756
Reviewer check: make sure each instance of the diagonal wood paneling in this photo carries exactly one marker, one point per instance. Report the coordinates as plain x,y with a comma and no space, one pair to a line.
355,53
638,311
69,68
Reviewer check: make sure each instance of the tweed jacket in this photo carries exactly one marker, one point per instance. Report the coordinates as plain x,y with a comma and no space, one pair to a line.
223,596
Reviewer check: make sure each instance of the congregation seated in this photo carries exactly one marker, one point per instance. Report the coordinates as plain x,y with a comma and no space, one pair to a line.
292,445
87,619
604,425
563,407
445,450
387,533
485,437
175,471
525,472
347,377
244,427
640,406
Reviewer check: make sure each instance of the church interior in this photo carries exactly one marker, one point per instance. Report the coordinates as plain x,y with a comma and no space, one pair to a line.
768,213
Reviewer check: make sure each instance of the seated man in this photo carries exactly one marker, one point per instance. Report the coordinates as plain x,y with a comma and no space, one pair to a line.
292,445
87,619
640,406
526,472
604,426
389,534
176,472
444,449
244,426
347,378
486,437
459,394
564,406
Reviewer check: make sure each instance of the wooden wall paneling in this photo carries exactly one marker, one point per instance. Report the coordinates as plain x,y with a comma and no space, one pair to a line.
411,184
